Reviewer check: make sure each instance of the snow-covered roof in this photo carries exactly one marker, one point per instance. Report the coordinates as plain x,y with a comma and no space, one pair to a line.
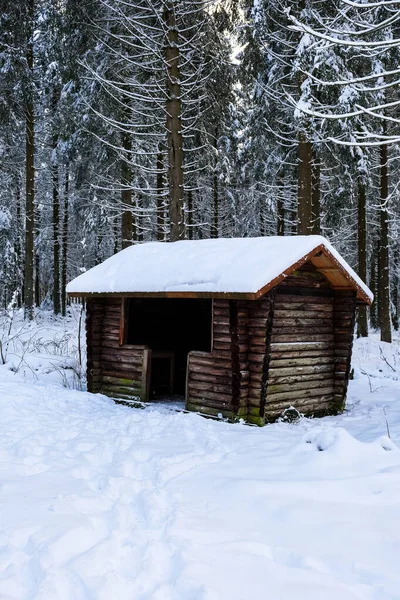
224,266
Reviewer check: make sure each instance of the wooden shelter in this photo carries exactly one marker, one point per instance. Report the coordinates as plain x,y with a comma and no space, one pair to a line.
243,328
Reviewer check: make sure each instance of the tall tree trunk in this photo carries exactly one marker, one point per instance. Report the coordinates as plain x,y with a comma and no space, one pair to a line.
395,289
174,126
304,188
126,194
280,209
117,228
384,280
139,221
29,283
316,195
215,222
190,213
362,320
37,272
56,227
160,196
64,257
18,245
373,286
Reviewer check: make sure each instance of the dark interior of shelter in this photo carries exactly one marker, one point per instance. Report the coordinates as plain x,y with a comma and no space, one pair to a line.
171,327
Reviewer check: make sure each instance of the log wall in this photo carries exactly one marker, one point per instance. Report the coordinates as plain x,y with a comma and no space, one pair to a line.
310,346
119,371
260,331
290,348
217,381
344,315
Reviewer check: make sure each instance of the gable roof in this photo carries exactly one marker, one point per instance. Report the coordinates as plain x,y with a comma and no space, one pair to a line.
224,267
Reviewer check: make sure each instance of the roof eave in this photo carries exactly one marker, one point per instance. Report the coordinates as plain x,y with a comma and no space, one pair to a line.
362,296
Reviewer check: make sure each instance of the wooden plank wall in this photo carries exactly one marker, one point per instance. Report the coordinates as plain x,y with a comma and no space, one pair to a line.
344,314
118,371
260,319
224,380
210,374
310,346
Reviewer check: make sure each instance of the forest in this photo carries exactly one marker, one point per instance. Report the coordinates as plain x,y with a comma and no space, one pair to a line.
123,121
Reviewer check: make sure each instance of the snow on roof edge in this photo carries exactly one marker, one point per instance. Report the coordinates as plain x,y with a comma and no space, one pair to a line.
223,265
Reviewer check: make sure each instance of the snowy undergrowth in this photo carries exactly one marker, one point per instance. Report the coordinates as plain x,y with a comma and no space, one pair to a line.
101,501
47,346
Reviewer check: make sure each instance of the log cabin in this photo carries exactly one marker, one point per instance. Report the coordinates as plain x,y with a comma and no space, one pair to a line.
243,328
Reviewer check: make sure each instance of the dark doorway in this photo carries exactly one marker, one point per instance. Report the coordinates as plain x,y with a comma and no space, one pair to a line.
171,327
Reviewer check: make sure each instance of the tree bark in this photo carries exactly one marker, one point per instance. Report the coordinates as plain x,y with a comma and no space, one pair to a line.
56,223
395,290
384,280
18,245
215,223
362,320
280,209
64,256
174,126
190,213
304,188
373,313
126,194
316,195
160,196
29,283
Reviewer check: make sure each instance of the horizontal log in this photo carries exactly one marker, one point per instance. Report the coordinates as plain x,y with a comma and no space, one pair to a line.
280,337
210,395
302,329
256,349
210,370
218,405
195,384
208,408
221,322
221,315
254,357
259,339
241,348
301,309
126,364
295,395
303,322
222,330
298,362
209,378
114,331
125,381
303,370
255,393
283,346
110,324
256,309
290,298
122,357
301,354
222,339
300,385
112,302
309,407
122,374
121,371
212,362
119,389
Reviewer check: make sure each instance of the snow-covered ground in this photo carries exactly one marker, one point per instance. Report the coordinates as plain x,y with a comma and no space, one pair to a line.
100,501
